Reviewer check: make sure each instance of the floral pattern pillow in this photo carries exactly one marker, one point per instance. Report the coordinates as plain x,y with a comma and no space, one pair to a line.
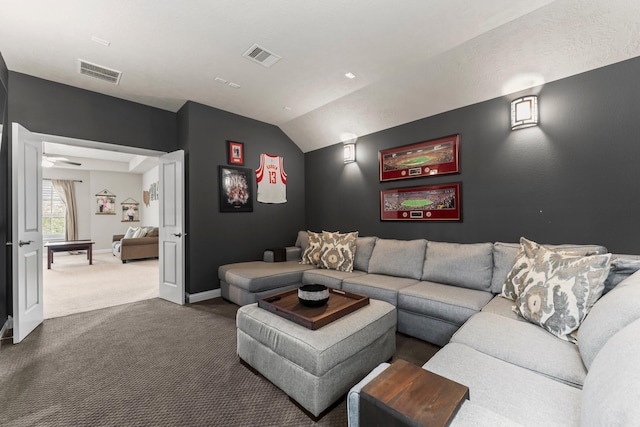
338,250
311,254
561,289
514,283
516,280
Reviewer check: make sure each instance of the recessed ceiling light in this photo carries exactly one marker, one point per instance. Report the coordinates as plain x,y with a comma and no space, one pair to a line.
234,85
98,40
286,108
220,80
350,75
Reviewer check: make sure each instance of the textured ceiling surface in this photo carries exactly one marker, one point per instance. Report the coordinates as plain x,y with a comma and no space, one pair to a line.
411,58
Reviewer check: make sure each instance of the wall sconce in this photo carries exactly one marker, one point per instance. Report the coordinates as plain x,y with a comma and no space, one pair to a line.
524,112
349,152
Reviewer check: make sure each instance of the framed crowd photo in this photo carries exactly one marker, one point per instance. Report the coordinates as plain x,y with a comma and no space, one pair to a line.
235,153
434,157
236,194
426,203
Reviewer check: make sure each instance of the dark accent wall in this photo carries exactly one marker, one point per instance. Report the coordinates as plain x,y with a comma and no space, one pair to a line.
573,179
216,238
4,179
47,107
53,108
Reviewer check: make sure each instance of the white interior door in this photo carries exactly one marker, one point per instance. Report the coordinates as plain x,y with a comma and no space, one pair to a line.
171,230
26,232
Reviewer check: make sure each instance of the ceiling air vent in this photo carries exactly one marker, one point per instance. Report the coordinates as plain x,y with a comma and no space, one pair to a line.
261,56
99,72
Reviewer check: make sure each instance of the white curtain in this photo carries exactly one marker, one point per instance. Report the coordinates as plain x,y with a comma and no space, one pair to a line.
68,195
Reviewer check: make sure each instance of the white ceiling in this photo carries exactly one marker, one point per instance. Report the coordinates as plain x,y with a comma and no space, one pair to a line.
412,58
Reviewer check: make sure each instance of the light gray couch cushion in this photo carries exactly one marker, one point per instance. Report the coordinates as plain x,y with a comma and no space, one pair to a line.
364,249
611,313
504,255
503,307
525,345
254,276
611,391
317,351
400,258
445,302
331,278
377,286
509,390
466,265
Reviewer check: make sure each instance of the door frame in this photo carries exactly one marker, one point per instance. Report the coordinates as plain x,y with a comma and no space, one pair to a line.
108,147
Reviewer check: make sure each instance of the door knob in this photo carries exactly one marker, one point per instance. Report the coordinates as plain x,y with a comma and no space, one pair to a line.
177,234
28,242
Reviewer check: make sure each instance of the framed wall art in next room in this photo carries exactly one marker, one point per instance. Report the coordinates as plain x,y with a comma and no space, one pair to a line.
435,157
426,203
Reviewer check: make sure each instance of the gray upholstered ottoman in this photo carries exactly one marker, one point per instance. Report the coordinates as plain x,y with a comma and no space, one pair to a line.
316,368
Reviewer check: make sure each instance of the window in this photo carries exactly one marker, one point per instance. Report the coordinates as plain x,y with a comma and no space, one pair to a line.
53,213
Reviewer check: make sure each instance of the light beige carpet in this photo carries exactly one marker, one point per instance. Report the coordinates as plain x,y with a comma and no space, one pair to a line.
74,286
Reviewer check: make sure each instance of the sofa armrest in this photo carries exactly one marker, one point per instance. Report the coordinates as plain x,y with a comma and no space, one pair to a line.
292,253
139,241
117,237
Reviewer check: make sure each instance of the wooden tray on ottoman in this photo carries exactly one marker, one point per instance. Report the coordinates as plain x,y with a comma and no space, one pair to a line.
286,304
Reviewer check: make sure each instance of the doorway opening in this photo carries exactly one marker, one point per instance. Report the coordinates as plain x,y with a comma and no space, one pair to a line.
72,285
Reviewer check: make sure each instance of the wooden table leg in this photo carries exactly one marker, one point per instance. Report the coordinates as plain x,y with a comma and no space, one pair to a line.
49,258
90,254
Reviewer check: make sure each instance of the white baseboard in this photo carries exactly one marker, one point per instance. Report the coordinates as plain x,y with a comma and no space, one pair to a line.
203,296
102,251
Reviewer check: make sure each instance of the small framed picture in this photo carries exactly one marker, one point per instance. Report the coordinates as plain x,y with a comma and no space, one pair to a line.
235,153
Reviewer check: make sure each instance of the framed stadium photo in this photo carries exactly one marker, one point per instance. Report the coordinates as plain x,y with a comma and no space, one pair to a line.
435,157
235,153
236,194
426,203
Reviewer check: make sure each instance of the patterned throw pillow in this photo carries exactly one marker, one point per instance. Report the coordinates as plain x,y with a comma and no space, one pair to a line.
516,280
561,289
311,254
130,232
514,283
338,250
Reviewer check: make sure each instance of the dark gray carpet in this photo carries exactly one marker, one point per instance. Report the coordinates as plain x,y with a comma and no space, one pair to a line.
150,363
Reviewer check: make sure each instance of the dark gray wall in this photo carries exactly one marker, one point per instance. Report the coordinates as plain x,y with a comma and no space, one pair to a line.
573,179
47,107
217,238
4,177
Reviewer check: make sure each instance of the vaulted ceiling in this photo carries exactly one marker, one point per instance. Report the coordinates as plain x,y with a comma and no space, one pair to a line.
410,58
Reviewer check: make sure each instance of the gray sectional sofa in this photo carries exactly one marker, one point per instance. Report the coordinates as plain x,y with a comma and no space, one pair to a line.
447,294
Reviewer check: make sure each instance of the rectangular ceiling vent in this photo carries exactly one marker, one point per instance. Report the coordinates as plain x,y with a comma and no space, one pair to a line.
99,72
262,56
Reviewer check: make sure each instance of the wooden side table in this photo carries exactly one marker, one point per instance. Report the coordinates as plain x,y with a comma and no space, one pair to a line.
407,395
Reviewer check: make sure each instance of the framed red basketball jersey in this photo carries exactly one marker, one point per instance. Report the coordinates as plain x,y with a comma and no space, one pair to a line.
272,180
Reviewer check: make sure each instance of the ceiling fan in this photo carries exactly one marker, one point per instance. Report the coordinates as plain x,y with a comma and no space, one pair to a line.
49,161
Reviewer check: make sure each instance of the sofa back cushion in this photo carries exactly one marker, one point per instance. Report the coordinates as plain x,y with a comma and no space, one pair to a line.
302,240
610,394
364,249
401,258
504,255
609,315
465,265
